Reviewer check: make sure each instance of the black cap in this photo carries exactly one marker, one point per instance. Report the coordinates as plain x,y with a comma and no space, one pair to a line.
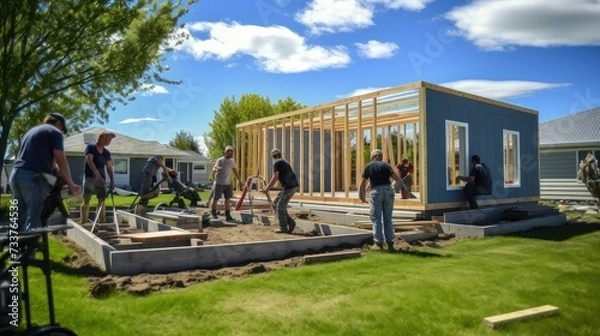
60,118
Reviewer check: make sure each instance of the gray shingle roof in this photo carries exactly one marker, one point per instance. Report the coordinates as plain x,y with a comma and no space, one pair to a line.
123,145
582,128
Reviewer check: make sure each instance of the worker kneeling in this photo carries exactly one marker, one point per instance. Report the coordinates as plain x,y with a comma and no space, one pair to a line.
182,191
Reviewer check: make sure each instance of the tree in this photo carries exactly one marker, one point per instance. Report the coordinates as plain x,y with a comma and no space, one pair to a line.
232,112
79,57
185,141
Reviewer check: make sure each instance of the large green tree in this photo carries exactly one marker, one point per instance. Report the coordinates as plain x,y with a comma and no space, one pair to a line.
232,112
79,57
186,141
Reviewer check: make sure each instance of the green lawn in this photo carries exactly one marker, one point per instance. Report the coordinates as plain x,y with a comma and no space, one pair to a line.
444,291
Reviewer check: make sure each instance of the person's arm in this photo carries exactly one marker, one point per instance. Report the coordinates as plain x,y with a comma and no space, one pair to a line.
362,194
90,161
65,171
272,182
111,174
237,175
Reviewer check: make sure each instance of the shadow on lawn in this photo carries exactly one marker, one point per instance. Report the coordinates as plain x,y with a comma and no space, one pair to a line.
421,254
86,270
560,233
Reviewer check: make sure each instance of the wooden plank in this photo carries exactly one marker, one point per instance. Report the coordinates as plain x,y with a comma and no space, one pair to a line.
335,256
498,320
158,236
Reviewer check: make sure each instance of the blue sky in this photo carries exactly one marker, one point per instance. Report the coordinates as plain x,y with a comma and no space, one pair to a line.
539,54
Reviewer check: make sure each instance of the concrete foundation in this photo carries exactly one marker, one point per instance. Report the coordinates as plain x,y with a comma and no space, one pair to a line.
139,259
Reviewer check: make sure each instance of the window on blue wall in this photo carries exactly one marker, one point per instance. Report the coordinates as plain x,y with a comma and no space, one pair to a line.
120,165
457,153
512,165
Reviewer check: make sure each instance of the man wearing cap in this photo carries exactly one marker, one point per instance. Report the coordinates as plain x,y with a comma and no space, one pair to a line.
149,171
97,162
378,173
223,167
41,151
283,172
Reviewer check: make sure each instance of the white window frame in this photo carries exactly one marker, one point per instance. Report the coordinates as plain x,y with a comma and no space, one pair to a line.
199,169
465,160
126,159
517,180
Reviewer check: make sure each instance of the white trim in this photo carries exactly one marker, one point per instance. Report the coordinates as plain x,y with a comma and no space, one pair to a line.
466,156
516,184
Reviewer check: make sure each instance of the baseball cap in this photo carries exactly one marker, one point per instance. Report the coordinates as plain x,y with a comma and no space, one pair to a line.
228,148
102,133
275,151
60,118
376,152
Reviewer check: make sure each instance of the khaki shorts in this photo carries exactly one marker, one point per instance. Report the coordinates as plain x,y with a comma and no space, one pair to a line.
223,190
90,187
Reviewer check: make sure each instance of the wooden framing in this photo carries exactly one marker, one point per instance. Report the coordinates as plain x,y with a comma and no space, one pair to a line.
328,144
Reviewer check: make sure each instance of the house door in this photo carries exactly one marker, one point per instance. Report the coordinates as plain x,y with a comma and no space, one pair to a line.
184,169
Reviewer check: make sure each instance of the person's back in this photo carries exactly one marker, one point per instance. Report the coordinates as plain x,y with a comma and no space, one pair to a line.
378,173
287,177
36,152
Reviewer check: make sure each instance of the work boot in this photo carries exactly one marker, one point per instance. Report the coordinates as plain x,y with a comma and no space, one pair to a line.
214,213
228,217
85,214
377,246
391,247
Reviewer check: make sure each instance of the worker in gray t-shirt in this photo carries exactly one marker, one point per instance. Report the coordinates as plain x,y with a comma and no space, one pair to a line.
224,166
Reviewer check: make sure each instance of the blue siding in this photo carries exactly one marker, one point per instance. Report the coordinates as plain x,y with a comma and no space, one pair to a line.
486,123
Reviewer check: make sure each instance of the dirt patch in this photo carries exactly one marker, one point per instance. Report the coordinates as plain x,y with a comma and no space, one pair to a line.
102,284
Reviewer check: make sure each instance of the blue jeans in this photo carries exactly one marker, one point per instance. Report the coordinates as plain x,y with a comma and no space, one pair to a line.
30,190
382,205
281,203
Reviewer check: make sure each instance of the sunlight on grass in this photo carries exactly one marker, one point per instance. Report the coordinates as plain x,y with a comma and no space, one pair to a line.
426,291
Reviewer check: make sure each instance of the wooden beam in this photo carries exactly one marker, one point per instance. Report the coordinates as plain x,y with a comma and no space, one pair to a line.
322,156
335,256
498,320
311,157
348,154
332,154
302,154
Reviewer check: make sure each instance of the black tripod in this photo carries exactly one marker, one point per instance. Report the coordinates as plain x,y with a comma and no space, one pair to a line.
17,254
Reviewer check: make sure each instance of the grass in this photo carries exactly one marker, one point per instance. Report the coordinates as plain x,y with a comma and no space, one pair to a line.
428,291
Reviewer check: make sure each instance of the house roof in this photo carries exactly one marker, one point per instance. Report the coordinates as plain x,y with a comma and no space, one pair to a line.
578,129
123,145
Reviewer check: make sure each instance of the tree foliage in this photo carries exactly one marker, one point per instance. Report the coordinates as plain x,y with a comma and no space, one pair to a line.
185,141
79,57
232,112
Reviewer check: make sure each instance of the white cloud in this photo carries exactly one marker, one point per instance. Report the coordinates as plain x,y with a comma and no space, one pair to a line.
363,91
202,145
152,89
276,49
376,49
501,89
137,120
498,24
330,16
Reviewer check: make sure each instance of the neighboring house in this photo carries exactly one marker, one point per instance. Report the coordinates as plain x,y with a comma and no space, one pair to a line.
436,128
563,143
129,156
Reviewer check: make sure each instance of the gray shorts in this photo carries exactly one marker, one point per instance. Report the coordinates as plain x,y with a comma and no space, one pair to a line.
223,190
90,187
